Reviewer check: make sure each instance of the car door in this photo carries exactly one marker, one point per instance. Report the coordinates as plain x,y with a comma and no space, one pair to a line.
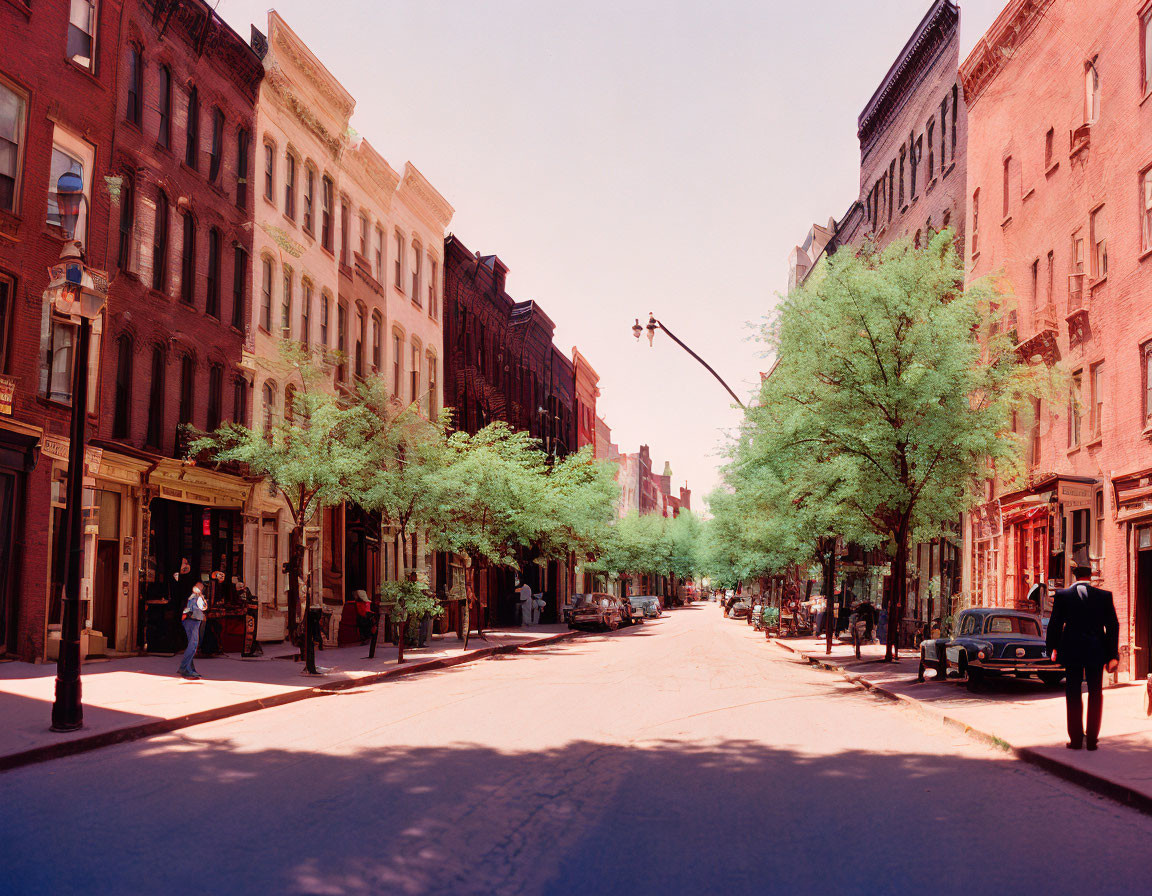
969,624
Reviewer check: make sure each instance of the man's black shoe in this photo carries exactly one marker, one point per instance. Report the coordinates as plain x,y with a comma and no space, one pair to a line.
1073,746
1092,745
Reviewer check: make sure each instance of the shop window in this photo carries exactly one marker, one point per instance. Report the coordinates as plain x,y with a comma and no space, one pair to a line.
164,107
123,400
127,223
13,112
243,143
215,398
160,244
239,286
290,186
188,261
192,134
155,430
216,146
82,20
135,111
70,154
212,286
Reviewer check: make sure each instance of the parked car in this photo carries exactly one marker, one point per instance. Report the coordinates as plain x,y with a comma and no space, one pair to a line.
991,641
600,610
647,604
729,602
739,610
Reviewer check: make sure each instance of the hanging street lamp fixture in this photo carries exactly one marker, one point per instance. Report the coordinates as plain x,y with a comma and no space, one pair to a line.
654,325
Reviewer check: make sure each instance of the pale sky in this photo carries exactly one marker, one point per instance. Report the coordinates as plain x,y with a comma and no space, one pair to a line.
623,157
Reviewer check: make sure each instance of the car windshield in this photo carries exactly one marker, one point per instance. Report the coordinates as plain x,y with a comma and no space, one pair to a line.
636,601
1011,625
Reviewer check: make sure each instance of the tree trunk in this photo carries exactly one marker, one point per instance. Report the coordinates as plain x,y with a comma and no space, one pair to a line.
896,594
295,570
828,561
469,590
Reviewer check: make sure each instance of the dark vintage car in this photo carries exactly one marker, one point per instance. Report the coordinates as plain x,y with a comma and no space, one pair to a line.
739,610
600,610
991,641
646,605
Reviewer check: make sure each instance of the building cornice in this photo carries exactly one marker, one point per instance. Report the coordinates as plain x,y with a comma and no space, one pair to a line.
418,194
372,172
999,43
285,44
283,94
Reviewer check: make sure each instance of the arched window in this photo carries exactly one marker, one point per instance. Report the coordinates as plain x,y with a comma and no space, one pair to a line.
269,171
289,404
188,261
192,147
155,431
266,293
121,414
164,107
358,340
397,363
160,243
268,408
212,295
309,197
433,378
290,185
216,147
377,341
215,397
135,110
417,257
305,312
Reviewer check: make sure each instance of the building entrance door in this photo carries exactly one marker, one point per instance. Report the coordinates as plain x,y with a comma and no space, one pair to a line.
7,545
1032,559
1142,636
106,577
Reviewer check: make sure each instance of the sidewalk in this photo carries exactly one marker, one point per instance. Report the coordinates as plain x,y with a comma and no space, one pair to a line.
134,697
1023,717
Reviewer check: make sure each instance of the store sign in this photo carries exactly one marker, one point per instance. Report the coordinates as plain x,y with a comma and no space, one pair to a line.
7,394
55,447
1076,496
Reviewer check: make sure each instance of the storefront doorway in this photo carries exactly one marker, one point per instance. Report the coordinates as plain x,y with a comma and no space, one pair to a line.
1032,556
1142,636
8,541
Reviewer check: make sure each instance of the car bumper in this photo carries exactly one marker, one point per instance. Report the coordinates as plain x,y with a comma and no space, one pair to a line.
1013,668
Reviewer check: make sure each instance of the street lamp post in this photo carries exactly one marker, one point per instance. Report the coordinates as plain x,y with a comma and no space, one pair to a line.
654,325
77,293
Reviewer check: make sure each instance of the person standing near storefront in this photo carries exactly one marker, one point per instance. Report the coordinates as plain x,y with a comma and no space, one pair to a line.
193,620
1084,636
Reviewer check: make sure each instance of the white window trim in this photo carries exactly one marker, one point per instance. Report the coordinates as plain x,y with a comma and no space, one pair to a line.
81,149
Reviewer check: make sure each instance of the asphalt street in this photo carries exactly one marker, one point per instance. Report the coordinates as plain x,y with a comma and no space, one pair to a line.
684,756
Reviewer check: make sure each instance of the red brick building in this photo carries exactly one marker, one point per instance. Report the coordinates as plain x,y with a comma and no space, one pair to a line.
1060,202
57,79
587,391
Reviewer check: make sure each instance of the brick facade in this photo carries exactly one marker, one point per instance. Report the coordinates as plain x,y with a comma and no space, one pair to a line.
1058,204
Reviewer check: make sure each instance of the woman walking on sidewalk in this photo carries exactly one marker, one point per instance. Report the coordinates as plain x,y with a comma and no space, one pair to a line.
193,620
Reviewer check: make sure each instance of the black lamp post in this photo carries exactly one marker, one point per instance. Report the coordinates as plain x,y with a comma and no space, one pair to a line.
75,293
654,325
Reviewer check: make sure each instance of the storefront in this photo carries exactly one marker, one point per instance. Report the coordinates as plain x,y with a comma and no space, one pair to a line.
17,456
1133,494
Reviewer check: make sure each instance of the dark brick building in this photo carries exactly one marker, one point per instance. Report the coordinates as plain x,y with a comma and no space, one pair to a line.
500,363
57,82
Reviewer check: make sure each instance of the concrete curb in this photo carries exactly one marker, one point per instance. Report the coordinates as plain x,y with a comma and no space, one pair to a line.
1098,784
142,730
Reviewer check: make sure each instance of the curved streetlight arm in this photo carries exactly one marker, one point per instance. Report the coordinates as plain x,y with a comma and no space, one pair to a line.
653,322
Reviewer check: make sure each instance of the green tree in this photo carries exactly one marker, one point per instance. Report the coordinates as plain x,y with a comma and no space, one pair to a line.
406,602
893,394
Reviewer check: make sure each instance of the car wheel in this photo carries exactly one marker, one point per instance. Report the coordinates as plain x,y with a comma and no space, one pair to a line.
1052,679
975,678
612,624
942,668
920,669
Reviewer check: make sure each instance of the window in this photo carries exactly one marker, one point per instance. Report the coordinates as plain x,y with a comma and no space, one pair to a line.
1049,148
135,111
1146,351
122,403
290,186
192,145
70,154
955,105
379,267
1098,535
342,341
325,305
1036,443
1036,285
269,172
266,293
1091,92
891,192
1146,48
216,147
286,305
215,398
1075,410
243,141
326,212
82,33
1051,278
377,337
309,188
345,230
156,399
13,108
931,149
164,107
188,261
1007,185
364,228
127,223
289,404
240,401
358,341
1076,277
943,134
433,285
1145,206
415,373
187,395
269,409
305,311
239,286
7,298
1096,409
399,262
416,257
160,244
975,222
915,154
397,364
1097,234
433,399
903,150
212,294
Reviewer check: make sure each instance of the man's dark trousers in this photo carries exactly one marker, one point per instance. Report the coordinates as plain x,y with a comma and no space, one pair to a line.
1094,674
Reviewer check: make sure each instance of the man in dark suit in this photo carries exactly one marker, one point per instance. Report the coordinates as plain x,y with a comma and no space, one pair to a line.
1083,635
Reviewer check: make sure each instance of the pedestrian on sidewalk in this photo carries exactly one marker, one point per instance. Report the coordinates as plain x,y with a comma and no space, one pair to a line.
526,601
193,620
1084,635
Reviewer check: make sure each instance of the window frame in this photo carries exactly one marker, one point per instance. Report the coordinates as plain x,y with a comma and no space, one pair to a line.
192,130
212,283
306,288
134,112
122,396
327,197
164,108
1098,245
243,150
154,432
1096,394
239,286
216,145
267,278
127,223
188,260
93,35
1144,203
21,135
308,216
290,185
287,282
417,259
78,149
161,236
269,170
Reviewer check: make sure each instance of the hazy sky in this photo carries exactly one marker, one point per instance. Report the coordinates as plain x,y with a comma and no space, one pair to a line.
623,157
